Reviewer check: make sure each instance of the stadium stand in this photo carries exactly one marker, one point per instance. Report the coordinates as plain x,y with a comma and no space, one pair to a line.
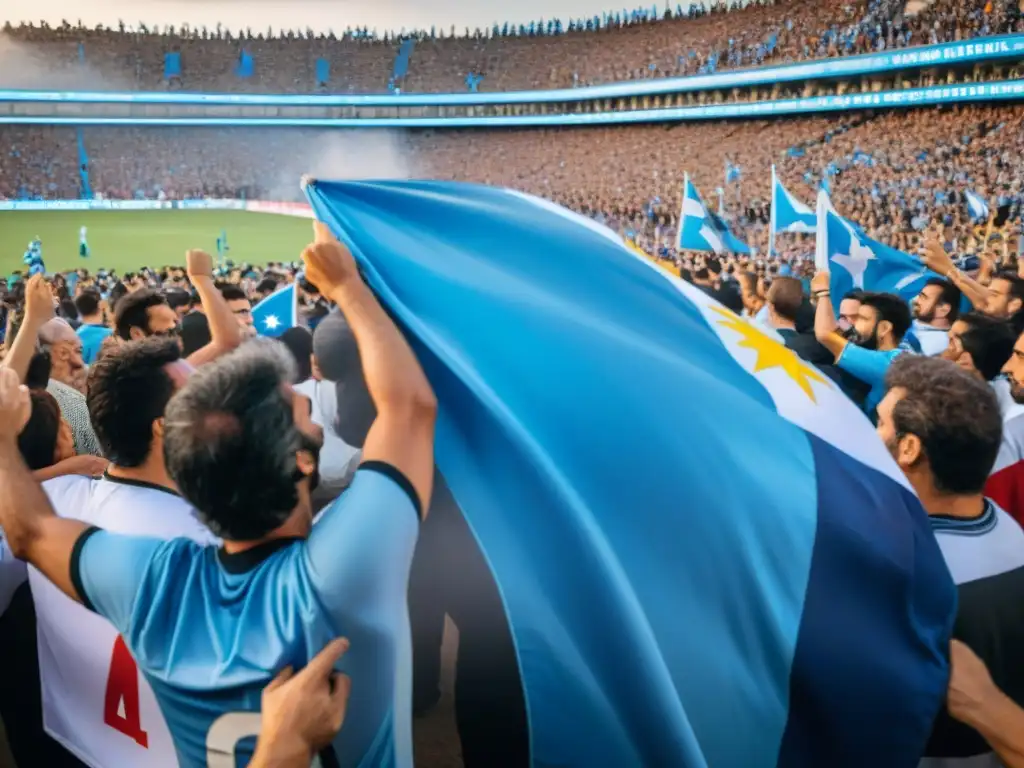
891,172
539,55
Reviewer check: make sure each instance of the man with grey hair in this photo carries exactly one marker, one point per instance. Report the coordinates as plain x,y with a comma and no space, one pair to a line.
236,444
67,381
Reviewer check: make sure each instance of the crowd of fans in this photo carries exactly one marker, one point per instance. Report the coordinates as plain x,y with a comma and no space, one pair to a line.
102,358
892,172
611,47
101,400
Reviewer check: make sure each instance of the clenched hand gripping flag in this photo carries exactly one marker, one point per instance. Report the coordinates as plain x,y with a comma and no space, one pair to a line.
732,576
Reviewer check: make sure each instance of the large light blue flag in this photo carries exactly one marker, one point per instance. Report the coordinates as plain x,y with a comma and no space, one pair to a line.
735,576
702,230
788,213
856,261
276,313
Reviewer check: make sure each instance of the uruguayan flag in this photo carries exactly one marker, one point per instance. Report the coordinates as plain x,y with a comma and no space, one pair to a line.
276,313
976,205
737,577
856,261
702,230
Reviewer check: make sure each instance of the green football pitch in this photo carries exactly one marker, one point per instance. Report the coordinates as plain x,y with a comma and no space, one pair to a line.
127,240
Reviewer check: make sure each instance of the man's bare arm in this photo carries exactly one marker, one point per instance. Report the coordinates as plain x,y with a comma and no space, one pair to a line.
33,531
38,311
225,334
826,330
403,432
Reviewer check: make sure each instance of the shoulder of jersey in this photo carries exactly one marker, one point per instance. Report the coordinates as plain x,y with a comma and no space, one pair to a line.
59,489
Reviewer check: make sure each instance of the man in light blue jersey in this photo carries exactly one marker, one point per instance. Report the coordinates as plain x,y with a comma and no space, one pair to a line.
210,627
876,339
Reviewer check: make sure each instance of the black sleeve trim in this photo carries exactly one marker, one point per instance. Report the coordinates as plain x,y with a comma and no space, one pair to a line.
403,482
76,574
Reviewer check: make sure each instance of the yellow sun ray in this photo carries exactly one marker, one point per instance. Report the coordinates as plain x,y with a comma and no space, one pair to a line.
772,354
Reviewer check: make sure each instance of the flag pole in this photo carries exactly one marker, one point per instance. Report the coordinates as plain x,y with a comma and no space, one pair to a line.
821,235
771,219
682,208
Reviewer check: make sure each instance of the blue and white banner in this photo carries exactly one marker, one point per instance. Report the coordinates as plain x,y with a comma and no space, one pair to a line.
788,214
856,261
739,577
702,230
976,205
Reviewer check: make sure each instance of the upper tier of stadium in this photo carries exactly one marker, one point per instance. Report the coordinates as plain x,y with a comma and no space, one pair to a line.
543,55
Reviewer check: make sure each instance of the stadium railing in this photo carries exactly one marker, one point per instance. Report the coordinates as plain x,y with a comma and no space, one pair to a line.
1003,91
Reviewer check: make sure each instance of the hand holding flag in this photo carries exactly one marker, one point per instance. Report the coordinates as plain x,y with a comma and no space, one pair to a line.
935,256
329,264
820,281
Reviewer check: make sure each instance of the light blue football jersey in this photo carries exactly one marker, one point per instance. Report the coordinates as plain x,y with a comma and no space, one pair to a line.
209,630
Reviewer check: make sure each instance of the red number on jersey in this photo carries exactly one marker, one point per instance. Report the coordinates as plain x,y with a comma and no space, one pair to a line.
123,686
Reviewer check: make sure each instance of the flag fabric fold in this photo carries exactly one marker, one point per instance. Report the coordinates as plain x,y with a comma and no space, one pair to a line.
276,313
734,576
856,261
702,230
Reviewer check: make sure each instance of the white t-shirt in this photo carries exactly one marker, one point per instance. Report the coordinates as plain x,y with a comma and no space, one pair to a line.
338,459
13,573
90,704
934,341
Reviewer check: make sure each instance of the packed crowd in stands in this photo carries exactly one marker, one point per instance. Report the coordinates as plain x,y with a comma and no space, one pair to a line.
891,172
607,48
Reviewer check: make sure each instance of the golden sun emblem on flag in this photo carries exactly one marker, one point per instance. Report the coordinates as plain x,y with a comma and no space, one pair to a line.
771,354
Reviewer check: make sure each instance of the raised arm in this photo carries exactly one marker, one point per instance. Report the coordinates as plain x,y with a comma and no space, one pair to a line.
38,311
32,530
225,333
402,435
826,330
937,260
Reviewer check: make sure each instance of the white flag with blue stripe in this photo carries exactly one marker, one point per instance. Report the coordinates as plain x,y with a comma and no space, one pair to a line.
856,261
702,230
788,213
976,205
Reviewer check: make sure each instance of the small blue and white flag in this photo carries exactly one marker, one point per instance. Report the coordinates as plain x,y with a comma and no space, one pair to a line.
814,626
702,230
276,313
788,214
856,261
976,205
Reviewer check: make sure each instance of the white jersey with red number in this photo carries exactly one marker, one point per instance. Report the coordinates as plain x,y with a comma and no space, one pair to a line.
95,701
1005,484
